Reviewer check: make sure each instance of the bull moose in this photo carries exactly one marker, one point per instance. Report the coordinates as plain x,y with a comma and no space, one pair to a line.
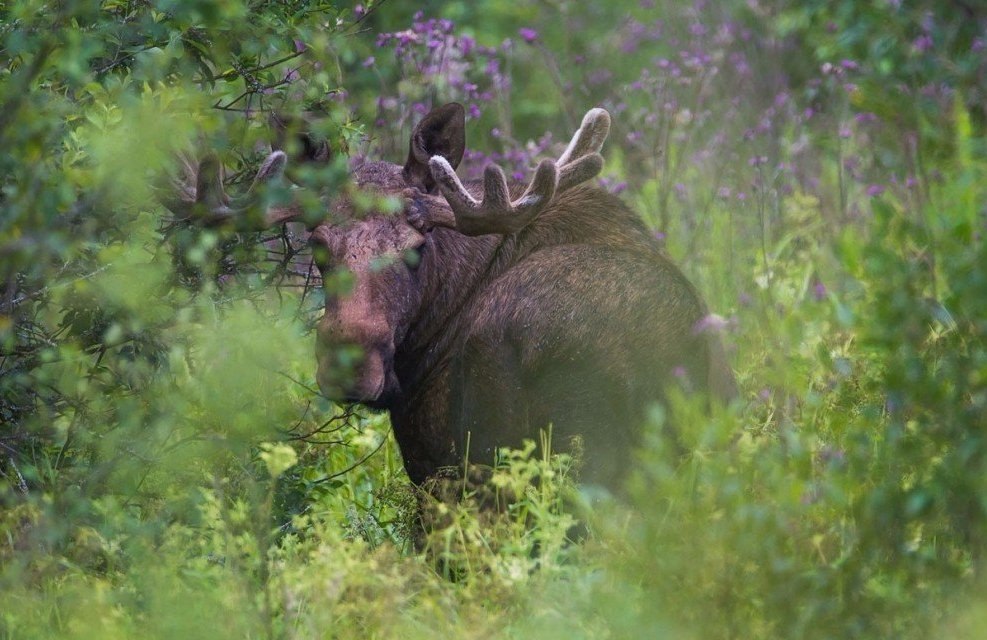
526,306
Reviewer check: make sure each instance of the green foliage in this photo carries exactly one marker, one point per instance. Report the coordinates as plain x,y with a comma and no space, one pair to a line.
168,470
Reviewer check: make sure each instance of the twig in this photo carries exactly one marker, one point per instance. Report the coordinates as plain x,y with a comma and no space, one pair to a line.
21,483
355,464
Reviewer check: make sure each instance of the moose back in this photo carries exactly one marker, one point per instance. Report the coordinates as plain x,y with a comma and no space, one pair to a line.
522,306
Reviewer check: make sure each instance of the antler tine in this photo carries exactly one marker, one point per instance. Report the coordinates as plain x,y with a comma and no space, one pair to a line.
208,204
496,213
581,161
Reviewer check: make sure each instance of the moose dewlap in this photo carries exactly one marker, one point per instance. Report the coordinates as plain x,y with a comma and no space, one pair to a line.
529,305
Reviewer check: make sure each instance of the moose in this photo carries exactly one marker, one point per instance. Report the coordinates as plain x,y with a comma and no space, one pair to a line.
527,305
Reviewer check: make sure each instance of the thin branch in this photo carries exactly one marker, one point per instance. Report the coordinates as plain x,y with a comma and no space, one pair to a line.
235,73
355,464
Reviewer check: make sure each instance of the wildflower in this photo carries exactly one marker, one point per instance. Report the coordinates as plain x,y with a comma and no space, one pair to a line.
713,323
922,43
875,190
527,34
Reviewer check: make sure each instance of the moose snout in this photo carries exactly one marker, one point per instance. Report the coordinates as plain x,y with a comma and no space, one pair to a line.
352,365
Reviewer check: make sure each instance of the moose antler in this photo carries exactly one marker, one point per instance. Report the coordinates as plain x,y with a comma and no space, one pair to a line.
208,204
497,213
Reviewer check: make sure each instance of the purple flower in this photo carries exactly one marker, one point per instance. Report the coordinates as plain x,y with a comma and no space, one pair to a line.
474,111
875,190
922,43
599,76
369,62
528,34
712,323
819,292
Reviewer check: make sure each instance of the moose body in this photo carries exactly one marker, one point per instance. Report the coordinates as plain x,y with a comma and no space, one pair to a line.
561,324
528,306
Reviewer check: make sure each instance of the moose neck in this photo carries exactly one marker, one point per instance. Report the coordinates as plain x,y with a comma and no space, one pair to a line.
454,269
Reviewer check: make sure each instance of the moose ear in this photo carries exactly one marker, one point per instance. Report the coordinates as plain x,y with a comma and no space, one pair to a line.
296,135
442,132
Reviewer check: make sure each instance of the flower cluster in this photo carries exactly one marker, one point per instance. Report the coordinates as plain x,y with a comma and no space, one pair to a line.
441,63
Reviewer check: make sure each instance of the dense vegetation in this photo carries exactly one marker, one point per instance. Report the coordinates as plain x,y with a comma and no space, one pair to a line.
817,167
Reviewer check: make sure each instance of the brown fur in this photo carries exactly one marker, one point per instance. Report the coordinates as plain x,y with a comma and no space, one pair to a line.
578,321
